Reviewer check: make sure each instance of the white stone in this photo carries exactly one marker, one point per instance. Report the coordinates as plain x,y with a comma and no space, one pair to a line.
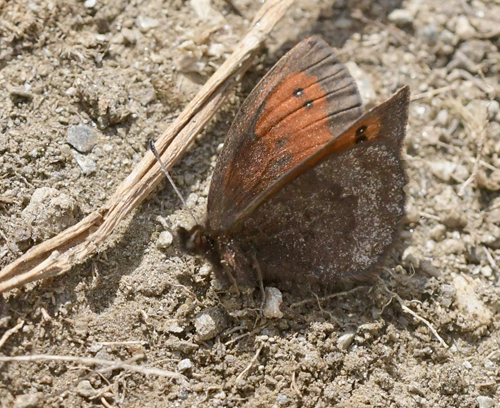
274,299
164,240
463,29
401,17
344,341
184,365
485,402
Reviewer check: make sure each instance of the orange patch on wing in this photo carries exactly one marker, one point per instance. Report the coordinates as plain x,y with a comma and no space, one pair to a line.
368,130
294,120
293,124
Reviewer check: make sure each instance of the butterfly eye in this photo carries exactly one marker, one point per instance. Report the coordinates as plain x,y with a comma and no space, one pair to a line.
298,93
360,135
308,104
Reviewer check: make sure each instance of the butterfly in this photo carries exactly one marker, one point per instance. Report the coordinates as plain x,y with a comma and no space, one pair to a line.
307,186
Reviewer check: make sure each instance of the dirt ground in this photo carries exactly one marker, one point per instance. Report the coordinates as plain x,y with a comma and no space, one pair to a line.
84,85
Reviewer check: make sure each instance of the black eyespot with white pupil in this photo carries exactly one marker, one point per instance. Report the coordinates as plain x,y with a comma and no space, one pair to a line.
298,93
360,135
308,104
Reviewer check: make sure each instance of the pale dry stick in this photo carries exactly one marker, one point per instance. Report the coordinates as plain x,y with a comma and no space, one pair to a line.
433,92
106,403
415,315
475,128
112,365
334,295
295,387
250,364
241,336
492,262
74,245
429,216
120,343
10,332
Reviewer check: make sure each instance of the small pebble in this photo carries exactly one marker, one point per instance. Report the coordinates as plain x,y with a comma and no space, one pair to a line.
411,257
486,271
442,118
164,240
173,326
401,17
183,395
448,293
442,169
430,34
49,212
463,28
20,92
85,389
147,23
455,219
27,401
452,246
438,232
485,402
90,3
274,299
82,138
184,365
129,36
87,165
282,399
205,270
344,341
493,108
210,323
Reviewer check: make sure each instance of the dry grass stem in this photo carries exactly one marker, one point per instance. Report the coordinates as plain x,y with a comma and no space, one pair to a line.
415,315
10,332
249,366
111,365
334,295
475,126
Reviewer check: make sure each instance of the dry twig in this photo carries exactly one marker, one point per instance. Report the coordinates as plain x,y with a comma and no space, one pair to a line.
250,364
475,126
295,387
333,295
10,332
415,315
111,365
76,244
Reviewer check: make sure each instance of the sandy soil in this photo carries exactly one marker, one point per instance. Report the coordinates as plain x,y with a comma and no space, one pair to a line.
425,335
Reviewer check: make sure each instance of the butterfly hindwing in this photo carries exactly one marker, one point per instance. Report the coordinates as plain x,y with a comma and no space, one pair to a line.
301,104
336,215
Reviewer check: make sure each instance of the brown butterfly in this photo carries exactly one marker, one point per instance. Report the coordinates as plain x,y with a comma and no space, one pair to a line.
307,187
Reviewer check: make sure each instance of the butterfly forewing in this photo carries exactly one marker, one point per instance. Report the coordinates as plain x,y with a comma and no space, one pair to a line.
338,214
301,104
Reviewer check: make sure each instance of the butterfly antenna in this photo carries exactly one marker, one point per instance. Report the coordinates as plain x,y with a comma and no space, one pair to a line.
164,169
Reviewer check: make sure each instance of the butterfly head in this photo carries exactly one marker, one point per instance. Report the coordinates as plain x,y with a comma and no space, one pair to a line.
194,240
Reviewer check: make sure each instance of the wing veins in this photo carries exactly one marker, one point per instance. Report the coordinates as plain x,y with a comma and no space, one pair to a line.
319,62
301,107
332,114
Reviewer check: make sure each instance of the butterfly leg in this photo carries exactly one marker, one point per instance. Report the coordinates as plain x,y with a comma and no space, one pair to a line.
261,282
228,262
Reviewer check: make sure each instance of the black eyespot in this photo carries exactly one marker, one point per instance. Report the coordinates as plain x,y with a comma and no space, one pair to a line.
360,135
308,104
298,93
360,130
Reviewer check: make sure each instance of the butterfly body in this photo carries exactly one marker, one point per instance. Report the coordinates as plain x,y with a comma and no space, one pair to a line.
307,186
